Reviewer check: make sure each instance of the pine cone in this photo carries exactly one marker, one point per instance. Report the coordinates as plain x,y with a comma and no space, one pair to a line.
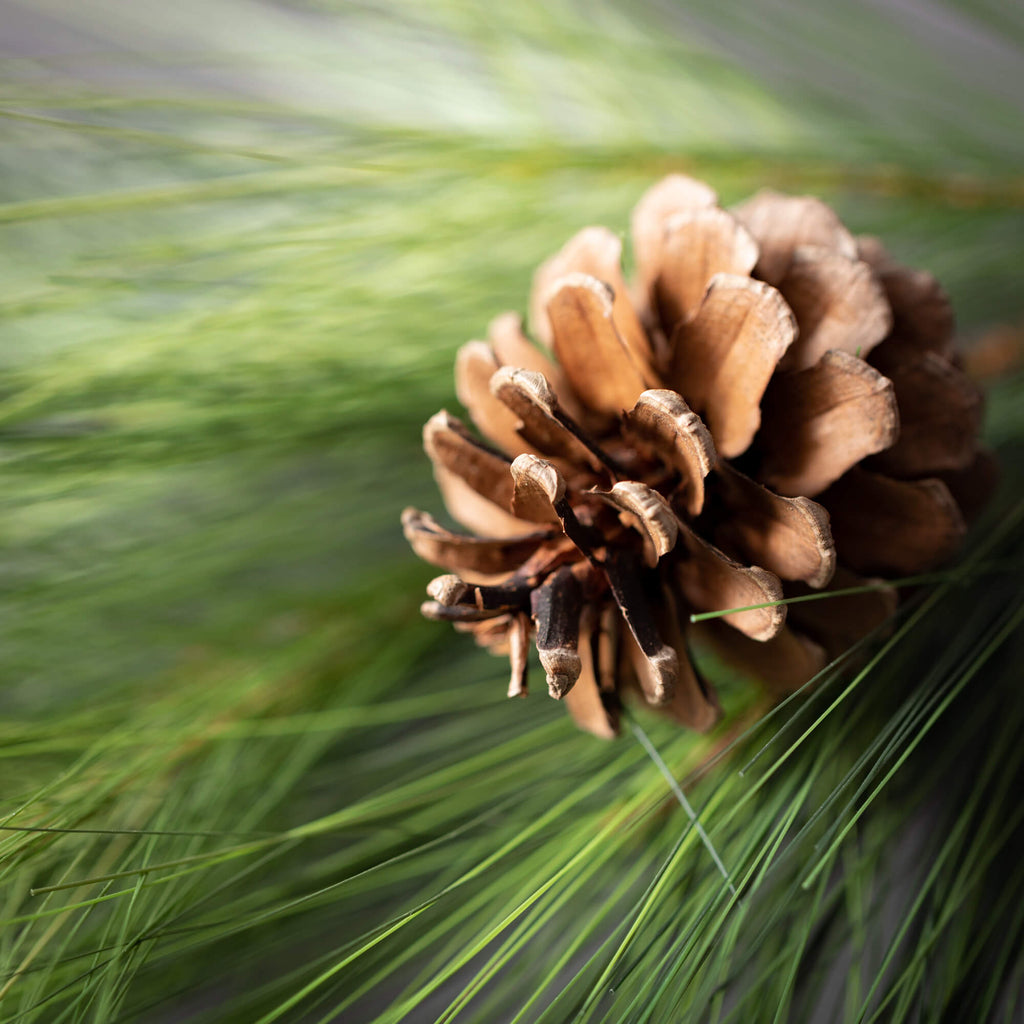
657,456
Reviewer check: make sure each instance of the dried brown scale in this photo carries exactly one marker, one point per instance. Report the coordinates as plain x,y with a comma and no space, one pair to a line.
555,606
773,407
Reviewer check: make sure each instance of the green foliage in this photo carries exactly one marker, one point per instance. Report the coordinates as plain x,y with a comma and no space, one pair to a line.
241,779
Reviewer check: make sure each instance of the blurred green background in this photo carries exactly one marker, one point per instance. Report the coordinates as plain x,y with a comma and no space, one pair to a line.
240,243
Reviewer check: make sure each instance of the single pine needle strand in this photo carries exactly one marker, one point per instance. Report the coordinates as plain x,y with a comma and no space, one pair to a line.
865,588
652,752
131,831
212,857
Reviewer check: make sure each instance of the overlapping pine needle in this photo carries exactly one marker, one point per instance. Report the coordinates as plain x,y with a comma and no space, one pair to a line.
240,779
663,467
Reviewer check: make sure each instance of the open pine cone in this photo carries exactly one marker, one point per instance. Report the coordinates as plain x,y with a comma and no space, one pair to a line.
658,456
